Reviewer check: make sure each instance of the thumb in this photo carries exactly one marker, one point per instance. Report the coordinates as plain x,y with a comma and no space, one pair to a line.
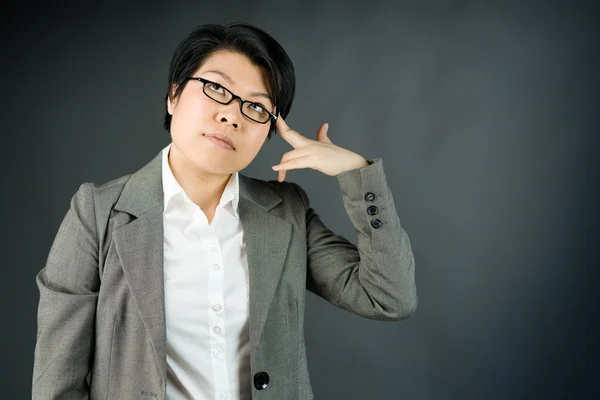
322,133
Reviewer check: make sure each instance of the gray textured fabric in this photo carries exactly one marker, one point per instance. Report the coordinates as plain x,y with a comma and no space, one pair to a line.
101,317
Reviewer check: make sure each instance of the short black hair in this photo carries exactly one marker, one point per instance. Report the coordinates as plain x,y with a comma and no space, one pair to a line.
251,41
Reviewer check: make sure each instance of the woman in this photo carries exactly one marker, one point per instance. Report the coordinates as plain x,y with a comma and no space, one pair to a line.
186,279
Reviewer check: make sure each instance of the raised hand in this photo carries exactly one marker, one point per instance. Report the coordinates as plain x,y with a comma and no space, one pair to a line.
321,154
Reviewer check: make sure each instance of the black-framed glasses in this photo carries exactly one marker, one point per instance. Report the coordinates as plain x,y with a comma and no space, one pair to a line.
253,110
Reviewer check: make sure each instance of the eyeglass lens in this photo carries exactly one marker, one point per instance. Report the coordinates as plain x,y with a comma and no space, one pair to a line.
251,110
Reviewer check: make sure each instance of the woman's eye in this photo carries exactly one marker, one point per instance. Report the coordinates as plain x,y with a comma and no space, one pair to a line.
257,107
215,87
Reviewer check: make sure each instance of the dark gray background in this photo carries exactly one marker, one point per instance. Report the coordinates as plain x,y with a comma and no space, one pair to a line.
486,117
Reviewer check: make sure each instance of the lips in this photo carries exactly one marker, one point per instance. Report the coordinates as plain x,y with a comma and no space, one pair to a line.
220,139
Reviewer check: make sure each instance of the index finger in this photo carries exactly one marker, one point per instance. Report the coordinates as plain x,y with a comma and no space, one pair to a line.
287,133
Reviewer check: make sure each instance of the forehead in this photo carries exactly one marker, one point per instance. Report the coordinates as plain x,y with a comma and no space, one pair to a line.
235,71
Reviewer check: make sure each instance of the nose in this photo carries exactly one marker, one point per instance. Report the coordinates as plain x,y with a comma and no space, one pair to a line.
230,114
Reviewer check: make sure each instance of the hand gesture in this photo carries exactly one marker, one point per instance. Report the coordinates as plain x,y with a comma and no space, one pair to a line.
321,154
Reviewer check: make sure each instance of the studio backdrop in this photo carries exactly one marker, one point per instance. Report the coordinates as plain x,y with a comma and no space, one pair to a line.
485,115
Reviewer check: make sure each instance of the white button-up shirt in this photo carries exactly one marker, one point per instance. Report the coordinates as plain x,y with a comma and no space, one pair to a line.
206,295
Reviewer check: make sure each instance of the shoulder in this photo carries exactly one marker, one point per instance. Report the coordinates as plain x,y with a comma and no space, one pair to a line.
106,192
95,201
290,193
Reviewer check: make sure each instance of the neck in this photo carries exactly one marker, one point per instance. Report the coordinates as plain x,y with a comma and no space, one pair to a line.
203,188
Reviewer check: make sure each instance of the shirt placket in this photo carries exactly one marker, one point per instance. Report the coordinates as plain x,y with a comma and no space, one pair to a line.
216,318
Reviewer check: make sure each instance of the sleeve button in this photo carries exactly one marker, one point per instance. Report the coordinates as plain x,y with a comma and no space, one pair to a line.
376,223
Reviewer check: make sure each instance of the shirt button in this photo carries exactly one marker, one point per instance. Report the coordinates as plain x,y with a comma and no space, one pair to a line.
369,196
217,353
213,249
216,267
216,307
223,396
217,329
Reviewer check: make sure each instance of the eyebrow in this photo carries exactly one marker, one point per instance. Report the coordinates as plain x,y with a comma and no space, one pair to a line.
228,79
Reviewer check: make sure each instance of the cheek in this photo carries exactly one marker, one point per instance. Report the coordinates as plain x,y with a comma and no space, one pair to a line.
258,133
189,112
256,139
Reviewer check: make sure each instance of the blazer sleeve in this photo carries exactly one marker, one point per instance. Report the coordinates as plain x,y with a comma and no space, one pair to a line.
68,286
375,278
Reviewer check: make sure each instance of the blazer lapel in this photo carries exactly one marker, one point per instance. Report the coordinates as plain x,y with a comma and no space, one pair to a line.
267,238
140,248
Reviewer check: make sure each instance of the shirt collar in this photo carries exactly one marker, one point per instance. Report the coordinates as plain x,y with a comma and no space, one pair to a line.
172,188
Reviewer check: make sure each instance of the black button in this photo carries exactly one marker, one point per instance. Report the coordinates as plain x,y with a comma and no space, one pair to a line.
376,223
372,210
261,380
370,196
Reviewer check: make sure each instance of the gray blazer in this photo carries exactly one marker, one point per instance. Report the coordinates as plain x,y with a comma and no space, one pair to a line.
101,318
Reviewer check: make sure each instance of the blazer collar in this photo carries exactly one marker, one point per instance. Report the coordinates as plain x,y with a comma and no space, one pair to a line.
143,191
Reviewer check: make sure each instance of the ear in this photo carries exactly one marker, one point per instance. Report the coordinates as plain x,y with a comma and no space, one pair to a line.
171,102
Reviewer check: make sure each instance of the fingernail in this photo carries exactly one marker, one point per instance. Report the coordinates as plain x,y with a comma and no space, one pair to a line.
326,127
